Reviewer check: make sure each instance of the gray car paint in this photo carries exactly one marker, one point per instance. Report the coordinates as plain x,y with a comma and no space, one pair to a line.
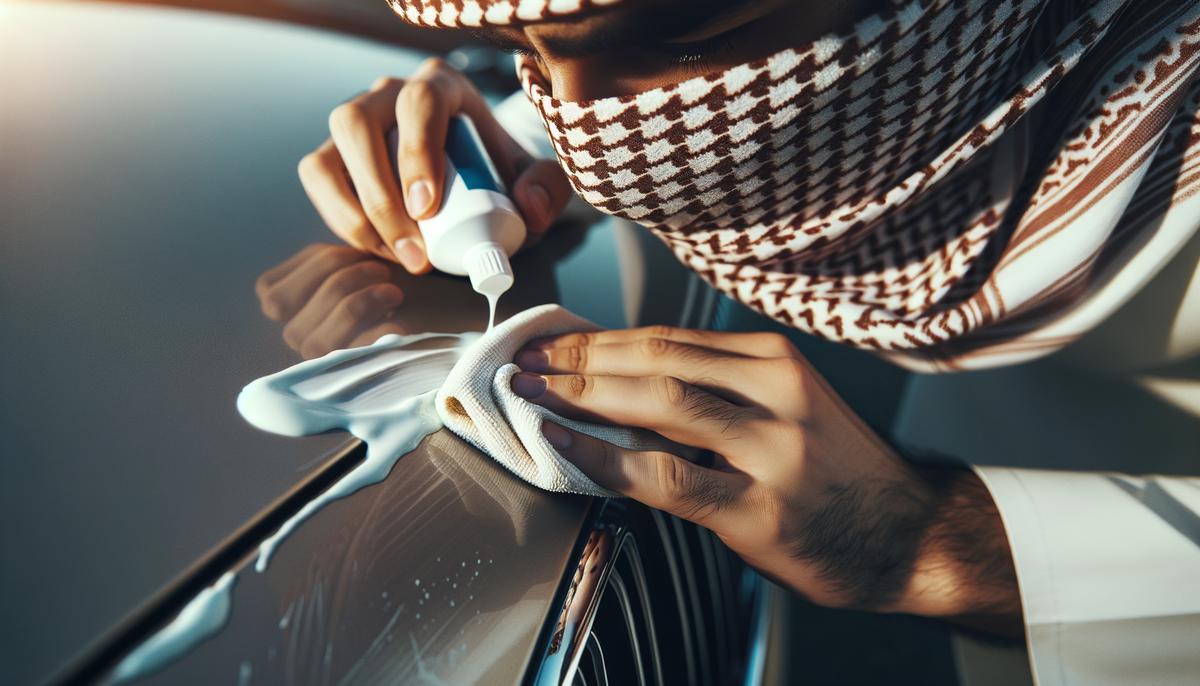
149,178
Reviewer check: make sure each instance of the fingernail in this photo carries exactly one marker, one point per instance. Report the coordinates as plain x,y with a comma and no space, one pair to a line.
410,254
539,201
420,197
528,386
532,360
559,437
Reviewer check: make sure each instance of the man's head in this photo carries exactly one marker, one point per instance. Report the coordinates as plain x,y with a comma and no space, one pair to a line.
588,49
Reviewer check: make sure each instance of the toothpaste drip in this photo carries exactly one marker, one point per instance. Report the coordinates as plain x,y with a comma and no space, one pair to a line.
382,393
204,616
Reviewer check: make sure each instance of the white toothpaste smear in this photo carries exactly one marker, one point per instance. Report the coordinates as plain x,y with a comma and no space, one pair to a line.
202,617
382,393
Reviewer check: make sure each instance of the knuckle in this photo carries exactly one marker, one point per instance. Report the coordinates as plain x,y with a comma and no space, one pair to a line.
386,82
672,391
308,165
355,307
694,495
347,278
262,288
348,116
608,462
657,347
380,208
661,331
272,311
576,358
577,386
420,91
778,345
293,336
673,479
434,65
271,308
791,371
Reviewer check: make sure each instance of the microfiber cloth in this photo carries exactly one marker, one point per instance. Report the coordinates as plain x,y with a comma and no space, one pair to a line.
477,403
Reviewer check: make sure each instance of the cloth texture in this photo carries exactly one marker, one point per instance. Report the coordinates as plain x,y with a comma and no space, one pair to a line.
477,403
957,184
478,13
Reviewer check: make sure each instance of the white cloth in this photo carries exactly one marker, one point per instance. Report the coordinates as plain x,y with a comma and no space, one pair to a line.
477,403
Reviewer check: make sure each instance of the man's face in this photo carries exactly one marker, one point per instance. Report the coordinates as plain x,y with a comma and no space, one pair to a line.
646,44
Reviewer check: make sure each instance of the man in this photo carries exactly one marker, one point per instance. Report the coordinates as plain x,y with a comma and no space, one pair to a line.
956,185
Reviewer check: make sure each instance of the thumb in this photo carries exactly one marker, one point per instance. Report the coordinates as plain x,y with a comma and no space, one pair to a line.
541,193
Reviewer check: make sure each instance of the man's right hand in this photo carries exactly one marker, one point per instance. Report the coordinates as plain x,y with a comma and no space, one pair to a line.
352,184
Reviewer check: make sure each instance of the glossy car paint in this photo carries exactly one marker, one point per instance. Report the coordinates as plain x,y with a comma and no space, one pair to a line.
150,177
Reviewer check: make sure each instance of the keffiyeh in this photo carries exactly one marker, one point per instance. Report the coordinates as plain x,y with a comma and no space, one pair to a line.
477,13
953,184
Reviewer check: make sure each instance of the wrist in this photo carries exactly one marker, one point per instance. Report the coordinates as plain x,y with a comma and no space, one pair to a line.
963,567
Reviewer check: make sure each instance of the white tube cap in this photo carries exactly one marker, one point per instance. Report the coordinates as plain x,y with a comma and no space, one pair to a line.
487,265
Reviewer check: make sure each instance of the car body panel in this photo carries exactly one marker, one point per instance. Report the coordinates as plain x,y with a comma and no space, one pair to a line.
150,177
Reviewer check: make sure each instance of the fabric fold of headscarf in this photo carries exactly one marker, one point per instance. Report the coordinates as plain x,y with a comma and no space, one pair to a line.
955,184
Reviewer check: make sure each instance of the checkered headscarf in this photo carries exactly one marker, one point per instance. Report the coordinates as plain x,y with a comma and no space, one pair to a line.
478,13
957,183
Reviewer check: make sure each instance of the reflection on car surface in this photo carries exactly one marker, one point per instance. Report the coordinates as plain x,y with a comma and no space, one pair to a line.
449,571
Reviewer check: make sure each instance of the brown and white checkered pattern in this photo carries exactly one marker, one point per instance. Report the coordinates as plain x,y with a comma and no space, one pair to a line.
883,187
478,13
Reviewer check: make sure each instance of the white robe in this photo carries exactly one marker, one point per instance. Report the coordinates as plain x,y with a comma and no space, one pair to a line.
1108,564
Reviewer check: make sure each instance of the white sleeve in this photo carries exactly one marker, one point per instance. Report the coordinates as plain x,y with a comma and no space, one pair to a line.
1109,571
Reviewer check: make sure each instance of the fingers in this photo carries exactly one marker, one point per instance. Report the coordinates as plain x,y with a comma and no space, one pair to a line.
764,345
658,479
777,384
423,111
358,129
352,179
327,184
541,193
356,312
667,405
283,290
329,295
435,93
727,374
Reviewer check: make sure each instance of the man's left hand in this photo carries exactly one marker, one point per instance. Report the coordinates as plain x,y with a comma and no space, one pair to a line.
798,485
